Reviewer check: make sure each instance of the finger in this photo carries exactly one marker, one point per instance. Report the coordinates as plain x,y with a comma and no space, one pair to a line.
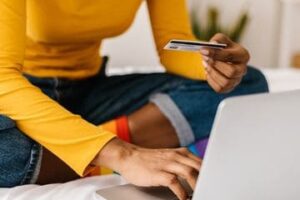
217,76
222,38
234,55
213,84
185,172
230,71
226,85
190,160
178,157
187,153
217,87
171,181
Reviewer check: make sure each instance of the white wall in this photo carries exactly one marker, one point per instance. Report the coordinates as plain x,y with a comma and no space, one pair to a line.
136,47
262,34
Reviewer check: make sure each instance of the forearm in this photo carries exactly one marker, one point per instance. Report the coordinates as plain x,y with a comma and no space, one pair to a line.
170,20
36,115
66,135
185,64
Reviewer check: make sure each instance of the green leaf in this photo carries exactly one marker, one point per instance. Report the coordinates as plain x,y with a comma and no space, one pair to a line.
240,27
213,22
214,26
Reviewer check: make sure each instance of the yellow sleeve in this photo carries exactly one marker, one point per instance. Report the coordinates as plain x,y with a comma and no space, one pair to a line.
68,136
170,20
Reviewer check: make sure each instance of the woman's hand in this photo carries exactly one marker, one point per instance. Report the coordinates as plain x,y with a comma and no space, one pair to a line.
151,167
225,67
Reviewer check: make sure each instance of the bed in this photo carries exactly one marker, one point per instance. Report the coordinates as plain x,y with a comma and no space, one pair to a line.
279,80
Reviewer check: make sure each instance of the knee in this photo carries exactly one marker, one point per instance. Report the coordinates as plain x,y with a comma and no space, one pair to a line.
257,78
255,73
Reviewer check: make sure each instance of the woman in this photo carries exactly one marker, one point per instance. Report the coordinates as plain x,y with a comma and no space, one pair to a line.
55,97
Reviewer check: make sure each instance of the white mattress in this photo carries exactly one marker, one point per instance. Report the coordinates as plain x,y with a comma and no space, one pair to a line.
84,189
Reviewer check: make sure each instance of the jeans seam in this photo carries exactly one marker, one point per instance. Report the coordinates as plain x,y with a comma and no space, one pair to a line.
34,164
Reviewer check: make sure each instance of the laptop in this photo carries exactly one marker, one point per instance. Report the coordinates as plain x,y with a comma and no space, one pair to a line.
253,153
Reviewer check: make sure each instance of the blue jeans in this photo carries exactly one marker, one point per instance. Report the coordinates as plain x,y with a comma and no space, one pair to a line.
189,105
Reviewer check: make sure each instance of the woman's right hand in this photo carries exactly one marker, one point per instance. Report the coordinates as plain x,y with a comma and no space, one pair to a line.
151,167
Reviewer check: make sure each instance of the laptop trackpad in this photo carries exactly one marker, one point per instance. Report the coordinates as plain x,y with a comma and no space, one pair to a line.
131,192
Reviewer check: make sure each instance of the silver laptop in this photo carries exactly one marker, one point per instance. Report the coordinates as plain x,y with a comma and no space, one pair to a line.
253,153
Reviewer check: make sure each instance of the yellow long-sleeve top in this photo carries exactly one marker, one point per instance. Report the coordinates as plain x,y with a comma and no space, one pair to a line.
62,39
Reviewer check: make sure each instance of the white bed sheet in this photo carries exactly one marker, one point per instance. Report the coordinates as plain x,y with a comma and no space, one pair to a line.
283,79
85,189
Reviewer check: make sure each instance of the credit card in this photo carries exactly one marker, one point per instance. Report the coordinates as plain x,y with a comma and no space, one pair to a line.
194,46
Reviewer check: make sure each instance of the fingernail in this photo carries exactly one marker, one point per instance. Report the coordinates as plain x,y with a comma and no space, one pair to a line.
205,64
205,58
204,52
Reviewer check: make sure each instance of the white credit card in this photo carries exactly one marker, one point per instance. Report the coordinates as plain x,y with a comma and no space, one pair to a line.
194,46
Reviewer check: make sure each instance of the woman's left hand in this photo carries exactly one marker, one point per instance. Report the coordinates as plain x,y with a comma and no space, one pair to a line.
225,67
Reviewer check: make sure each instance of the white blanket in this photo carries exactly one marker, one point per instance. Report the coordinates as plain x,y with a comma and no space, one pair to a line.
85,189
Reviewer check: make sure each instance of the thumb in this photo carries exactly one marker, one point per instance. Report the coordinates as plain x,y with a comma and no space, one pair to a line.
222,38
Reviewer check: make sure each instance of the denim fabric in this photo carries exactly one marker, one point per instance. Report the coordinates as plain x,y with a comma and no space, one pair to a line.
19,155
101,98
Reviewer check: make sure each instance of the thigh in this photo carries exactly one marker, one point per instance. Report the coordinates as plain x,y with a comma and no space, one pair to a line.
19,155
110,97
24,161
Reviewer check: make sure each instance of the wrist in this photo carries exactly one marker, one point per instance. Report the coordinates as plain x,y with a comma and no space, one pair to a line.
113,154
120,127
123,130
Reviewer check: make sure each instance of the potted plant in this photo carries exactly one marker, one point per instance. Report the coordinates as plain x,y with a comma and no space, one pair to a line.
214,26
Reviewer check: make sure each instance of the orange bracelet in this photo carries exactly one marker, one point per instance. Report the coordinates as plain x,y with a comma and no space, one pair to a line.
123,131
